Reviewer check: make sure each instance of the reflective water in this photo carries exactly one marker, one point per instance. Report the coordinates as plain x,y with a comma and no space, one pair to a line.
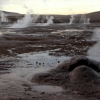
25,66
47,88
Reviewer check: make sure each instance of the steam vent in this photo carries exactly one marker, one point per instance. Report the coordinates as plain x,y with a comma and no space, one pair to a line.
80,74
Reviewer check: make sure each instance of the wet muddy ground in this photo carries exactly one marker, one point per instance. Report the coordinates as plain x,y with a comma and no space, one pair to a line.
61,40
24,52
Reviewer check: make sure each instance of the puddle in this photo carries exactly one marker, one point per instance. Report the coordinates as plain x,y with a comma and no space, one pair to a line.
37,34
27,64
47,88
0,33
40,59
68,30
25,67
40,24
97,58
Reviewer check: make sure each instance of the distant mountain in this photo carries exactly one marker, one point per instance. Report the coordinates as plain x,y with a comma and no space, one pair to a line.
13,16
6,12
94,17
11,13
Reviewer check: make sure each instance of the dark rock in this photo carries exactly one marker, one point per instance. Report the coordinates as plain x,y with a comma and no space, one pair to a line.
58,61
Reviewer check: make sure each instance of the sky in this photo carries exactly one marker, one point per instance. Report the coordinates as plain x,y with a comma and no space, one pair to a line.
63,7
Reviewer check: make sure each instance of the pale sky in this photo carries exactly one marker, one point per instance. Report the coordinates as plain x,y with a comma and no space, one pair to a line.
51,6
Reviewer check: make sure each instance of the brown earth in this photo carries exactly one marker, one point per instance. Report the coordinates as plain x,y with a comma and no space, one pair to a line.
58,42
79,74
42,39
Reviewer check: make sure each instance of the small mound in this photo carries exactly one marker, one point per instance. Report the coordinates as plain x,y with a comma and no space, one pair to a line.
78,73
85,80
71,64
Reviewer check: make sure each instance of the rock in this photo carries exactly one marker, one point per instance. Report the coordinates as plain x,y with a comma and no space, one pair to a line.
58,61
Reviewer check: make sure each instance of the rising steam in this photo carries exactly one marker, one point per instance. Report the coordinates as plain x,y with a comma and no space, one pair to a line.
72,19
49,20
84,20
95,50
28,18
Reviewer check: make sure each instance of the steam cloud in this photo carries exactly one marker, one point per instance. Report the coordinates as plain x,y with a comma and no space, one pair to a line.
95,50
24,22
72,19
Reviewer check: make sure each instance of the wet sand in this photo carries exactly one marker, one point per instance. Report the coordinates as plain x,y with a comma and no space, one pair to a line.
25,52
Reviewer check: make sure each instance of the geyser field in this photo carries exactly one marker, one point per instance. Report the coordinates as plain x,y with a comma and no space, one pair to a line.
44,60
